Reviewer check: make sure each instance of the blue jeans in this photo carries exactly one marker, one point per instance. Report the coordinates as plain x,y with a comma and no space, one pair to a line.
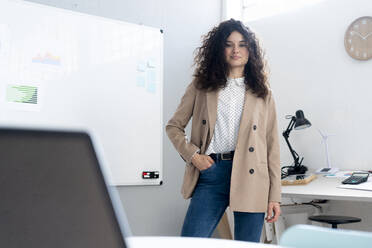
209,202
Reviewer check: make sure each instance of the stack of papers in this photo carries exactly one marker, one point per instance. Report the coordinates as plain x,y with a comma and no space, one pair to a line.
363,186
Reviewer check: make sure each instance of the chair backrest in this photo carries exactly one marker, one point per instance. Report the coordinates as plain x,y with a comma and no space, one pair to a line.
307,236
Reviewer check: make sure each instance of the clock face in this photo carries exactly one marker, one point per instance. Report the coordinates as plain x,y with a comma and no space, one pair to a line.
358,38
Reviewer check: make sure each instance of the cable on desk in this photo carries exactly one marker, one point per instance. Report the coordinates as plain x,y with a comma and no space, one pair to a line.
284,170
313,203
284,174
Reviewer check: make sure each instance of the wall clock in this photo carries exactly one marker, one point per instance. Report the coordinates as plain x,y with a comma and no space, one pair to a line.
358,38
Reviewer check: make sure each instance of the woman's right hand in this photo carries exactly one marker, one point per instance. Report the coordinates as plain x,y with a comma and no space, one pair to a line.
202,162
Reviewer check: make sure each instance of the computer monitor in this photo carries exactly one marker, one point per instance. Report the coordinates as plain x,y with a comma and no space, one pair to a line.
53,192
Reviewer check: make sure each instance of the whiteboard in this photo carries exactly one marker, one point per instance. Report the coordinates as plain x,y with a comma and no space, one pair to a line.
61,68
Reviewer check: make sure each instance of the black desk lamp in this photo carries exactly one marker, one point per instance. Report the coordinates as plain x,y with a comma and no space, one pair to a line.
299,122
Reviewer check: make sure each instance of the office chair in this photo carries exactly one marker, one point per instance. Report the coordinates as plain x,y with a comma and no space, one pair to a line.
334,220
308,236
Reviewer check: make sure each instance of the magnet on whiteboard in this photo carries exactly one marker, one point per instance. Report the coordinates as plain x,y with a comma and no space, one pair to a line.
150,174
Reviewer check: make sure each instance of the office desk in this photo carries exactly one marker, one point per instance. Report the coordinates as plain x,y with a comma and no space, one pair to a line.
320,188
326,188
184,242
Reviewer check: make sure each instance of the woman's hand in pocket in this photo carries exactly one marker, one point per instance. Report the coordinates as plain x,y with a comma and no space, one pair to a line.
202,162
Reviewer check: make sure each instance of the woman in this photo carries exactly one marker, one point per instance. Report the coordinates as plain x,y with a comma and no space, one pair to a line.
233,155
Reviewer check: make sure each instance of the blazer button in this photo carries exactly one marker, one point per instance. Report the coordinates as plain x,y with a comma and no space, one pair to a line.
254,127
204,122
251,171
251,149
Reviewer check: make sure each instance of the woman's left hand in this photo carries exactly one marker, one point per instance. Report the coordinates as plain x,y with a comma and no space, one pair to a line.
273,212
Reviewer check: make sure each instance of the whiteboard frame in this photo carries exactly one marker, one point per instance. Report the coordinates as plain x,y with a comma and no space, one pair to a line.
161,84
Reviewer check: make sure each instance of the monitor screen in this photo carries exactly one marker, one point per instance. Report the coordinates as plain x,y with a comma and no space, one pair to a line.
53,193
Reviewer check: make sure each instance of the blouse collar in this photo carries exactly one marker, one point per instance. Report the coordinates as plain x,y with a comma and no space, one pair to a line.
236,81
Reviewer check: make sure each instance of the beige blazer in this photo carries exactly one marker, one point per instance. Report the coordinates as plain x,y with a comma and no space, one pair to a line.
255,176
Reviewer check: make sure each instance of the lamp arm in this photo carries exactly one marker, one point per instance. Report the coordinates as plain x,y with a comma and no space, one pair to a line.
286,136
294,154
290,127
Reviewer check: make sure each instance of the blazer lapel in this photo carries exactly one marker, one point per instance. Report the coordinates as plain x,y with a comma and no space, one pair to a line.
250,102
212,99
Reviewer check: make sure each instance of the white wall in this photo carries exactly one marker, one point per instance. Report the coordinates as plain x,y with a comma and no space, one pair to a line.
310,70
159,210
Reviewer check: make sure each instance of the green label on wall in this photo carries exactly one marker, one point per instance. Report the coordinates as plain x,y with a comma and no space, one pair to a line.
21,94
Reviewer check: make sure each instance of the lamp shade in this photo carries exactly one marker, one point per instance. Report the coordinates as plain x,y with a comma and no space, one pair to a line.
301,121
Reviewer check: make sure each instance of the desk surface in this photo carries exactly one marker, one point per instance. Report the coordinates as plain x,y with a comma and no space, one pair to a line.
184,242
326,188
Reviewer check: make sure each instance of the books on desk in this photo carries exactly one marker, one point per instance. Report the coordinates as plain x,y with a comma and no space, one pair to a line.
298,179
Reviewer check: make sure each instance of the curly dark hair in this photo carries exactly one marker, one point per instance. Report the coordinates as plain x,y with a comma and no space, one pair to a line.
212,69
